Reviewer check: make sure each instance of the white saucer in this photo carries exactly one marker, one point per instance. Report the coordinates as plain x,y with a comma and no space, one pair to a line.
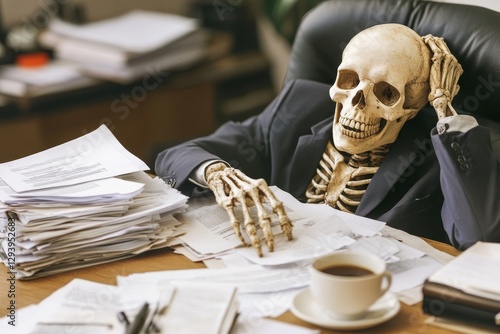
305,308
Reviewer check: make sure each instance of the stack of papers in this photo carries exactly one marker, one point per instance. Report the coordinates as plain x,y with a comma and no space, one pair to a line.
53,78
85,202
127,47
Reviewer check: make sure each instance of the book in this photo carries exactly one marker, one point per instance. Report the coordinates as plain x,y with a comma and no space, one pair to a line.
467,287
445,301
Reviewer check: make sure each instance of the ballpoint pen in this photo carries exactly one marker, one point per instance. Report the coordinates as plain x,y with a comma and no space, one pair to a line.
138,323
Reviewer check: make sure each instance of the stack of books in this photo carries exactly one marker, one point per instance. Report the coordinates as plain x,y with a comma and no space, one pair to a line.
466,291
130,46
85,202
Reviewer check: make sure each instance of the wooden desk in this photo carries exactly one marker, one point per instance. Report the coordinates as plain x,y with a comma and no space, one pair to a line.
409,320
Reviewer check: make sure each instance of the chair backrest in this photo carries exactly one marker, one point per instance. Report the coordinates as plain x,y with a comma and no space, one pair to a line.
472,34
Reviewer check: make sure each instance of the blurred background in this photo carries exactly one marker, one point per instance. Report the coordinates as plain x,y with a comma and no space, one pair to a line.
51,93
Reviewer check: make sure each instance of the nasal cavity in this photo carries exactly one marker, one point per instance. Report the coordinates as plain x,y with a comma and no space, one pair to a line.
359,100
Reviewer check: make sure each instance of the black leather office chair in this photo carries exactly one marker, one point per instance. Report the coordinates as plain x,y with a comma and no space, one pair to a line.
472,34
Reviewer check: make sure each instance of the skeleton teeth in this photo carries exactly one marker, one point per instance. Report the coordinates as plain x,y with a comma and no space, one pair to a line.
358,130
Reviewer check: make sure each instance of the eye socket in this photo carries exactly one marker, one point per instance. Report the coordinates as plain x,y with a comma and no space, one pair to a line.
386,93
347,79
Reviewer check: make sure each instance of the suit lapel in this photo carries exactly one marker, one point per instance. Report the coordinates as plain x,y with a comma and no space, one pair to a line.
307,155
402,155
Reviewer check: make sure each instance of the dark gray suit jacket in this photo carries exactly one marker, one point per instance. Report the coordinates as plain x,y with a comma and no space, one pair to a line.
442,186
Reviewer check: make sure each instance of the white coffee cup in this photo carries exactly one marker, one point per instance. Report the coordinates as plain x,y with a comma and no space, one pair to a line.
346,283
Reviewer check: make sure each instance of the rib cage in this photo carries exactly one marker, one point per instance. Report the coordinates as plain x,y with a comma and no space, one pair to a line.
358,169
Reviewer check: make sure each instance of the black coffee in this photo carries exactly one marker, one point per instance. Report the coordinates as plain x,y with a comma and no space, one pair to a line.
346,270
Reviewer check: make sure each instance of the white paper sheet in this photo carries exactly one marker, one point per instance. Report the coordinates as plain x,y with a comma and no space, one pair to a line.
98,191
96,155
137,31
313,237
361,226
250,279
269,326
411,273
208,230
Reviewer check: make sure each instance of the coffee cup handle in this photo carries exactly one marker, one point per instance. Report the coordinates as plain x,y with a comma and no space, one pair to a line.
388,280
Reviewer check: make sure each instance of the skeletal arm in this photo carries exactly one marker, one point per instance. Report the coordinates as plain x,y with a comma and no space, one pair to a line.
233,188
470,172
444,74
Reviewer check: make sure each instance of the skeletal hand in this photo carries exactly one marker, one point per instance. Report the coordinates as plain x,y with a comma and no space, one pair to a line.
232,188
444,75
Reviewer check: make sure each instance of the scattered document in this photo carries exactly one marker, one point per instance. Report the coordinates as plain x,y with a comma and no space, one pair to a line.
313,237
80,306
269,326
411,273
359,226
207,230
83,306
249,279
318,229
258,287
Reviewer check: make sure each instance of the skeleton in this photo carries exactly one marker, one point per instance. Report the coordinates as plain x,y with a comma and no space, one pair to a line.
388,73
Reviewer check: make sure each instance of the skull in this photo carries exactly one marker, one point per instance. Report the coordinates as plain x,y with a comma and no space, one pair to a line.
382,82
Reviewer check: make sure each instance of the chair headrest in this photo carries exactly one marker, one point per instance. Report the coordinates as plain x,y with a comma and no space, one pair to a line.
471,32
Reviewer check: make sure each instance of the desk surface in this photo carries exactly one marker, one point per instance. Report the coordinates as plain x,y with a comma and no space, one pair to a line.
409,320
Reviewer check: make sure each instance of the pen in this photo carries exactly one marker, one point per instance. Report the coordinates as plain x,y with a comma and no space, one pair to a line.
93,324
139,320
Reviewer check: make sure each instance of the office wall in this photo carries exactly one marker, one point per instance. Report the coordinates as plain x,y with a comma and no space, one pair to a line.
492,4
97,9
20,11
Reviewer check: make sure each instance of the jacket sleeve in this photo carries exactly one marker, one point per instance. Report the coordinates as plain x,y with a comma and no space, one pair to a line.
470,181
243,145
